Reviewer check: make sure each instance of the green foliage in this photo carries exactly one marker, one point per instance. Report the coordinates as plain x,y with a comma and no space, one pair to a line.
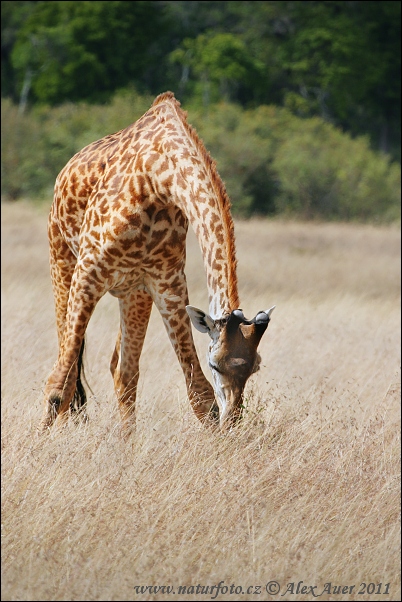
271,161
243,156
218,59
343,63
35,146
334,59
24,169
324,173
85,50
13,15
276,163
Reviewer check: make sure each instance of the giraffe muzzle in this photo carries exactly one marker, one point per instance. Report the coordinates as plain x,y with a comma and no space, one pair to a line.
230,406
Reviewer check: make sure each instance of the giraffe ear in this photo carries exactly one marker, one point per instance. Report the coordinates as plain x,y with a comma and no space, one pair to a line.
201,321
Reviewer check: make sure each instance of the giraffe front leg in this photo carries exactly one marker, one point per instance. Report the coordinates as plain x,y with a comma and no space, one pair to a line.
62,382
135,310
172,307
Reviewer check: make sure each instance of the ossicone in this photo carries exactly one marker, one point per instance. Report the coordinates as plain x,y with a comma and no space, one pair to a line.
237,315
264,316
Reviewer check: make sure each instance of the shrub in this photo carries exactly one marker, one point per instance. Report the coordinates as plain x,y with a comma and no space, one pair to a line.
274,162
271,161
324,173
36,145
23,155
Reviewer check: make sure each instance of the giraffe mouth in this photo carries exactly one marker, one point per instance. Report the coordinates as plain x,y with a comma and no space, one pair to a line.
230,406
229,419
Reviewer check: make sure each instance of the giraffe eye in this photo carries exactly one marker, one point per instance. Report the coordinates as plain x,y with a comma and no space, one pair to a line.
214,367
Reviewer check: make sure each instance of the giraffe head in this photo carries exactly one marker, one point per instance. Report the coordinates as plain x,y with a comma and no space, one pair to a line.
232,355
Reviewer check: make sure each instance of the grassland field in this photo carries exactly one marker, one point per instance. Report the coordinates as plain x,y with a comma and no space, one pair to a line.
305,489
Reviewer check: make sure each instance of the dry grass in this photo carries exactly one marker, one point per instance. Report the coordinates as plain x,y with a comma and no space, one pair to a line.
305,489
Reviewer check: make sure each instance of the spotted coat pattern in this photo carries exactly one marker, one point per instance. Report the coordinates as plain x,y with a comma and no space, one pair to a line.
118,224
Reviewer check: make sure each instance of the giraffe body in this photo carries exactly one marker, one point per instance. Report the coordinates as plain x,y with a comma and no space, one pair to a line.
118,224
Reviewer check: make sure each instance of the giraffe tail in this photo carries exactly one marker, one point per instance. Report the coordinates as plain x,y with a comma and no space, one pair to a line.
79,401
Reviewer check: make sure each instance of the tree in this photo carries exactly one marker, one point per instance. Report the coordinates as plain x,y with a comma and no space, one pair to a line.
334,58
13,16
220,62
343,60
86,50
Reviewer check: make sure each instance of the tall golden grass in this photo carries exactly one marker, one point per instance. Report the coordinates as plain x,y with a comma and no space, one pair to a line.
305,489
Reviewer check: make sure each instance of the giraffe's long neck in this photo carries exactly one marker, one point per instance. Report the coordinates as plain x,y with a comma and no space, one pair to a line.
203,198
190,178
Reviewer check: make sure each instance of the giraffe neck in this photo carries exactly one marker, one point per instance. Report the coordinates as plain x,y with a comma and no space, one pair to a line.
203,197
215,235
196,187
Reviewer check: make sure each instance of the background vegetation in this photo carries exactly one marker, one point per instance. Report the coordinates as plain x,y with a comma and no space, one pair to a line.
299,102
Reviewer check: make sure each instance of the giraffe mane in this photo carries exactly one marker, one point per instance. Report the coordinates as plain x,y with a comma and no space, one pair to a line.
220,191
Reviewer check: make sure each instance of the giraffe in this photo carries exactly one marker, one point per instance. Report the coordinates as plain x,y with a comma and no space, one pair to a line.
118,224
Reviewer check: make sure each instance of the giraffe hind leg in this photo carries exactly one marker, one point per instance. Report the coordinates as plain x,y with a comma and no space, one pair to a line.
135,310
61,385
